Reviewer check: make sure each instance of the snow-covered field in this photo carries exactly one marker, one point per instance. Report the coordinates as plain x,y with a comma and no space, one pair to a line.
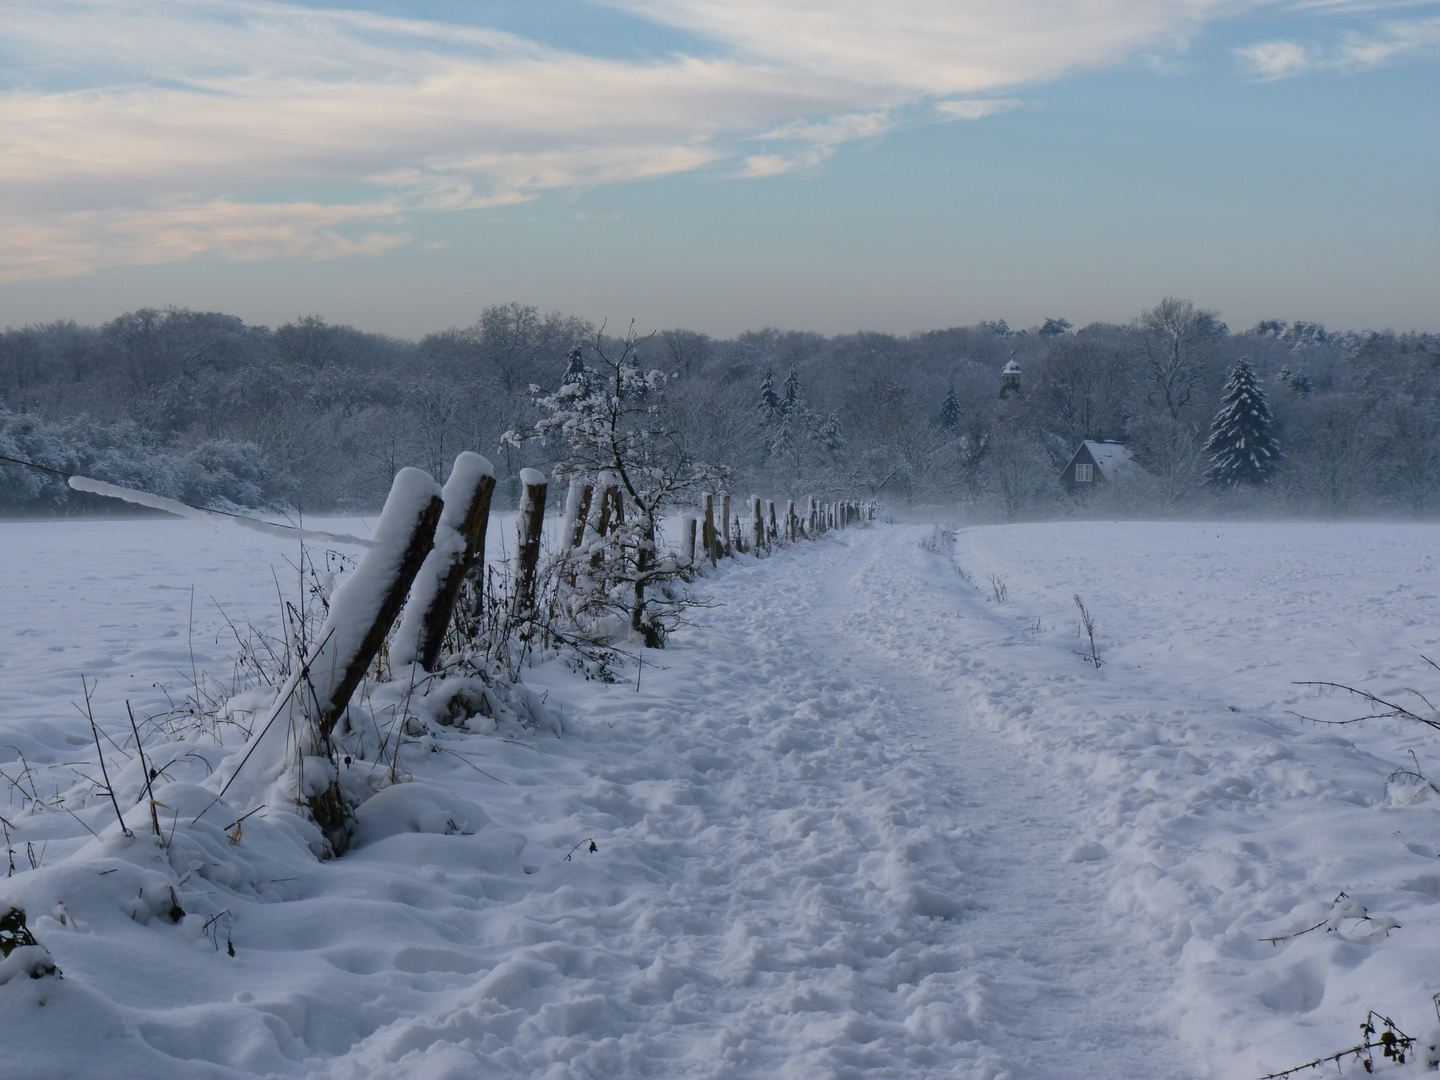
863,820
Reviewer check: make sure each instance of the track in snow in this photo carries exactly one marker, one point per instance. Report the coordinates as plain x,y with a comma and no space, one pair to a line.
847,874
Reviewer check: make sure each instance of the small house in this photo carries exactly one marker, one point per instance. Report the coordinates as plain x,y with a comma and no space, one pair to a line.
1095,462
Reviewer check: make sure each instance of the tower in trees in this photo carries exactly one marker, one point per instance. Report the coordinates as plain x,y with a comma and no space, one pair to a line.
1242,449
1010,381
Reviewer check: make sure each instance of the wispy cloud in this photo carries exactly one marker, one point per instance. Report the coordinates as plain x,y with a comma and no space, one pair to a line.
1276,59
1383,43
139,131
975,108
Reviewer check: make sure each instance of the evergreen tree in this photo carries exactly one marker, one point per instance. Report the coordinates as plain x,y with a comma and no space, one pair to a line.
1241,448
769,400
950,411
575,374
794,394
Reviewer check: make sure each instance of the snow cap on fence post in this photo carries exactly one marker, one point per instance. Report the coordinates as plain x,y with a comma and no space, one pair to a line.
528,527
364,607
459,546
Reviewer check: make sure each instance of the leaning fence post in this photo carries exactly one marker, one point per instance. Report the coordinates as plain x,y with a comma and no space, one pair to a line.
459,546
527,546
364,607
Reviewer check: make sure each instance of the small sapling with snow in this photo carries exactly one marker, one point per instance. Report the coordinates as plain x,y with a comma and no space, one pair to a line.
613,422
1086,631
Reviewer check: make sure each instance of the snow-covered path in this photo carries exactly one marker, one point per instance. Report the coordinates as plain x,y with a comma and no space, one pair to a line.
849,876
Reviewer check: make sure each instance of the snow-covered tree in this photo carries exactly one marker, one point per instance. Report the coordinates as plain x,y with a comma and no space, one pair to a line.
1242,449
617,421
574,368
950,411
770,404
794,393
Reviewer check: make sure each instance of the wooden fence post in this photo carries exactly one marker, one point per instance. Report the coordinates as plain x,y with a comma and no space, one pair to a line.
603,523
790,521
707,533
688,529
729,549
459,547
364,607
757,525
577,513
528,530
773,529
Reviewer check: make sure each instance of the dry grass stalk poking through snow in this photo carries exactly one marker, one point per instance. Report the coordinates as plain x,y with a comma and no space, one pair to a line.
1087,628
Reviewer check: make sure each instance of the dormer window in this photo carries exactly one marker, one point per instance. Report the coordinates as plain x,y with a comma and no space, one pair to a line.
1084,474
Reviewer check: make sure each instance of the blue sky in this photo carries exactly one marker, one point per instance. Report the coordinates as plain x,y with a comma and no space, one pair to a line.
721,165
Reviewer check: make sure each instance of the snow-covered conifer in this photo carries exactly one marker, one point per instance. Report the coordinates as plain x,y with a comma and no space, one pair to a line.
794,393
575,374
950,411
770,403
1242,449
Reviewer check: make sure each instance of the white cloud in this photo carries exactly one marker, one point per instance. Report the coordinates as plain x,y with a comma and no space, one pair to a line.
935,47
975,108
149,130
65,244
1384,43
1276,59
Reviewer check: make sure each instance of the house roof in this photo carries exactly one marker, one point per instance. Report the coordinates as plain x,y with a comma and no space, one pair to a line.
1111,458
1012,368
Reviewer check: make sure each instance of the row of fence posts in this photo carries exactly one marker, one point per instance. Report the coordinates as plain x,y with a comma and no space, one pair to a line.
438,538
704,540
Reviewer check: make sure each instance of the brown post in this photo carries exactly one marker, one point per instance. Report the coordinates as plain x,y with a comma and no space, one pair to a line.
707,534
729,549
690,524
578,514
790,522
365,605
528,529
757,525
459,548
603,525
774,529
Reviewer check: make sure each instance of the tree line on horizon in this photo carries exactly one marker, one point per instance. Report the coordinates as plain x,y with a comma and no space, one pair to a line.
318,417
